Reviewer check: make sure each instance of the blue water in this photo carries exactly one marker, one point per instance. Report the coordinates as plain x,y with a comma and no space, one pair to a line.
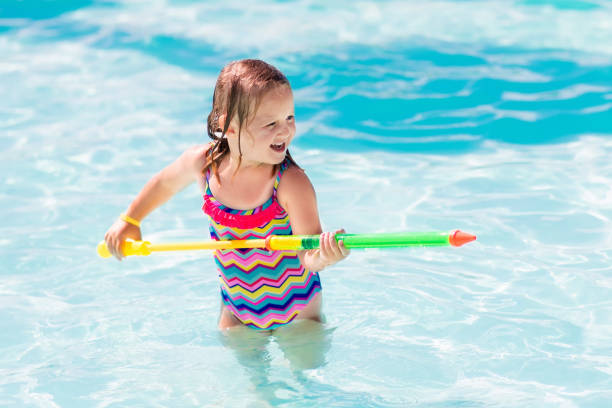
494,117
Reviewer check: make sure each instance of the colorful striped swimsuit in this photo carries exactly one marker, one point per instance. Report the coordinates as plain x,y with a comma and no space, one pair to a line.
263,289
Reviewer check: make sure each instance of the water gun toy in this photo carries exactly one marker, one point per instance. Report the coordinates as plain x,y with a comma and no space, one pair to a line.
299,242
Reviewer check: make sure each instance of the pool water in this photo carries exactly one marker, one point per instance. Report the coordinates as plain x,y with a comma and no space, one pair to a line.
494,117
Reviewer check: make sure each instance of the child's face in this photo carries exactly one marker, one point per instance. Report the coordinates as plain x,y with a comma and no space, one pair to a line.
266,138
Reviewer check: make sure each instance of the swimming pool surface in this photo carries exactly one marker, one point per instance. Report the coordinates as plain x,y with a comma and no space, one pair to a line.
494,117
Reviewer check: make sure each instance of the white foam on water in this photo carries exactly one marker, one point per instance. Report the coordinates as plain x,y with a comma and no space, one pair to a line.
570,92
275,28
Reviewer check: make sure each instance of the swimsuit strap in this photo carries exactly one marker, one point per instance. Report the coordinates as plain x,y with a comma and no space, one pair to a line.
207,188
281,170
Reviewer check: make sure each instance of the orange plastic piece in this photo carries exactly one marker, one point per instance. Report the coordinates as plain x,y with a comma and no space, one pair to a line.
459,238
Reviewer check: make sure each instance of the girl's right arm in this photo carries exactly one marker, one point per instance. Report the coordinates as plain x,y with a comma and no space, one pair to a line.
165,184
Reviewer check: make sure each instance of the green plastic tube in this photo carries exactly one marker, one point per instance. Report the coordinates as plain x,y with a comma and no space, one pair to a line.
405,239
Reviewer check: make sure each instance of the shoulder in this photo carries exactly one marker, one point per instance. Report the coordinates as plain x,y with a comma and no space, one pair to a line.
297,196
294,185
193,158
294,178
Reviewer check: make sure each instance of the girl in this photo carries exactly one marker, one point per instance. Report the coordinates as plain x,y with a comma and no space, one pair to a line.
252,188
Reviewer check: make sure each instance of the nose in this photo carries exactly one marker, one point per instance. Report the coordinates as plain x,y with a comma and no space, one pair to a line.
284,131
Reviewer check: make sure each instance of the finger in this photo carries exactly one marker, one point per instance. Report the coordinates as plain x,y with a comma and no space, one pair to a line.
325,245
336,244
333,244
332,248
109,243
343,249
117,249
112,248
323,242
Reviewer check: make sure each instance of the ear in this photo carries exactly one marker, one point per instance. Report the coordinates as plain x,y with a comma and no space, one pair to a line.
221,122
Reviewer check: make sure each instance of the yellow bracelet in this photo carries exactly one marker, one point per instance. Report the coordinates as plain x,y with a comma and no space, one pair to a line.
130,220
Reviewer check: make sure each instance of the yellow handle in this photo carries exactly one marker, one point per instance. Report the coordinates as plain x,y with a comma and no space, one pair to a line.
128,248
285,242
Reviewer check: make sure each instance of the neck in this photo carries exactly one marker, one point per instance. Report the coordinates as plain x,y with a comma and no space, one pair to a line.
237,165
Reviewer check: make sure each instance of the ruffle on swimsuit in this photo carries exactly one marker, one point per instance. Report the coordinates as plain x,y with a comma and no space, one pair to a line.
223,215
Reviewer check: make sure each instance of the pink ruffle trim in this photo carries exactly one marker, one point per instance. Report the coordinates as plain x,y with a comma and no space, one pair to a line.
238,220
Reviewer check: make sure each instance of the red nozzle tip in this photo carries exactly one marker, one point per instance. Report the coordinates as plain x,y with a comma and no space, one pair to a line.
459,238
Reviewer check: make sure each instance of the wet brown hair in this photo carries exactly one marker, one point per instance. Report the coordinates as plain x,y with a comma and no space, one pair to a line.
239,89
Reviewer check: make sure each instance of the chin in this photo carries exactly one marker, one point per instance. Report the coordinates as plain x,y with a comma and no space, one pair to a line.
278,158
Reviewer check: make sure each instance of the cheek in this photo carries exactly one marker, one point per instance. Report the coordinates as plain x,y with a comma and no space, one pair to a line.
265,135
250,141
254,140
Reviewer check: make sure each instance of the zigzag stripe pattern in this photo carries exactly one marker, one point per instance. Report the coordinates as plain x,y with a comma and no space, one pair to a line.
269,272
263,289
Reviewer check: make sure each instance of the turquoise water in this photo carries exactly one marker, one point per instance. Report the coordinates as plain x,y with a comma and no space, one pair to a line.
494,117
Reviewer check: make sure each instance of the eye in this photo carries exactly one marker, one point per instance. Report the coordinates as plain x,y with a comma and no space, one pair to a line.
290,117
271,124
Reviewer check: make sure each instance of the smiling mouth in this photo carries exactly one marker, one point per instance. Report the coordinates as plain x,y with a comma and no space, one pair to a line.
278,147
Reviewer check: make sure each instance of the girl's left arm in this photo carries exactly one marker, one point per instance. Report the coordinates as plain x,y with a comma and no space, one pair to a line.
297,196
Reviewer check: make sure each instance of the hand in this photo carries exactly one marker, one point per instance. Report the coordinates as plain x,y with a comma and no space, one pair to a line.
330,250
117,234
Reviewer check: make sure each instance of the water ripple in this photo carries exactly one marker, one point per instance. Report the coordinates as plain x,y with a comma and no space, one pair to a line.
449,115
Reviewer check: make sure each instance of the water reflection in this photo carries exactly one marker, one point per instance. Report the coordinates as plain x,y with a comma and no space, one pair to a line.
304,345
